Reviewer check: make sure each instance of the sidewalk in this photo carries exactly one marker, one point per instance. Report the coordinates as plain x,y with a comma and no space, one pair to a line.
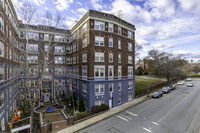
103,116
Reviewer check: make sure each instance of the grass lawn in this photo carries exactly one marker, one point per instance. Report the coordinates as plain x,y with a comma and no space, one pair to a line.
141,84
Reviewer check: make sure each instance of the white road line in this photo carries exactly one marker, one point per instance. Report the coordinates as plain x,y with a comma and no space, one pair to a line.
122,118
147,130
126,117
155,123
131,113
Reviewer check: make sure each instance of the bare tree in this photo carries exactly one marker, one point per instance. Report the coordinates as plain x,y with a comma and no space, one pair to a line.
120,14
27,13
165,64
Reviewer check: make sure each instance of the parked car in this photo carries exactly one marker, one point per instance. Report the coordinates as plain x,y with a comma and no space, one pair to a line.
190,84
156,94
161,93
172,87
180,83
188,79
165,90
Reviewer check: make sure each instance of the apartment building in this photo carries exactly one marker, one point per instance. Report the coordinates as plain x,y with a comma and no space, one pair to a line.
96,56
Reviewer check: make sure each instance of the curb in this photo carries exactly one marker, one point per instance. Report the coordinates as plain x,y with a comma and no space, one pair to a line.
102,116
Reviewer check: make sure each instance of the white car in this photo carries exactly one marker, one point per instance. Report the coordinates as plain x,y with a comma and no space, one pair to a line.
190,84
180,83
188,79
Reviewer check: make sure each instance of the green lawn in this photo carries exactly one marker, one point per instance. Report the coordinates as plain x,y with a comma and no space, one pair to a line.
141,84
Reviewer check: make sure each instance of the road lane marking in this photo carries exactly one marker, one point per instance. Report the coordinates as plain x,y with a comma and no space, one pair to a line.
155,123
131,113
172,108
147,130
126,117
122,118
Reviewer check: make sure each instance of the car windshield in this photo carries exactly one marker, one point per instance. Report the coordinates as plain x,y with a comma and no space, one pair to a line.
155,93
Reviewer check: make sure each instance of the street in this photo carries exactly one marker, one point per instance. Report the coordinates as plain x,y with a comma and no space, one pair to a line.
176,112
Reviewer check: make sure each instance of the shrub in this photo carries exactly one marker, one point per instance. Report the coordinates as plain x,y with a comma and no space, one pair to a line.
97,109
81,105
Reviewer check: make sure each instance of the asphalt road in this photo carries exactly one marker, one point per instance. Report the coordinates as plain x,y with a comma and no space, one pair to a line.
176,112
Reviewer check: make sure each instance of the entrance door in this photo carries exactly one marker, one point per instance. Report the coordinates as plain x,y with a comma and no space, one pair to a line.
110,102
46,97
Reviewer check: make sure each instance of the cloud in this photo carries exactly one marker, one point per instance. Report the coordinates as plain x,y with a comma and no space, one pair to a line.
97,4
190,5
63,4
79,3
69,21
81,10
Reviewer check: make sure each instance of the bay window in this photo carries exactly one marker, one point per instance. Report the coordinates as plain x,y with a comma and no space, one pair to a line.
99,71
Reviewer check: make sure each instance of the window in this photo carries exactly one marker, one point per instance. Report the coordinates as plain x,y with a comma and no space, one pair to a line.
74,47
68,60
84,28
99,102
33,70
84,57
68,49
130,84
46,48
99,71
1,49
110,87
1,24
59,38
119,100
1,99
119,30
2,73
74,59
77,45
32,59
119,71
84,87
110,27
99,89
22,46
110,71
10,54
130,70
59,60
119,86
46,37
32,47
33,83
130,47
99,41
129,34
119,44
119,58
59,49
59,71
84,71
84,43
130,60
32,35
59,82
130,97
110,42
99,25
110,57
99,57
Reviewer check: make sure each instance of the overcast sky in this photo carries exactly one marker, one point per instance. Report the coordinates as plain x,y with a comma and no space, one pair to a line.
169,25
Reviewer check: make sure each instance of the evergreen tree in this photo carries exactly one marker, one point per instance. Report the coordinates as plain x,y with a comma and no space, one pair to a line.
81,105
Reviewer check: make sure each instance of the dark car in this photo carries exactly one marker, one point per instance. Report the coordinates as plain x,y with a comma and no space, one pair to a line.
161,93
172,87
156,94
165,90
